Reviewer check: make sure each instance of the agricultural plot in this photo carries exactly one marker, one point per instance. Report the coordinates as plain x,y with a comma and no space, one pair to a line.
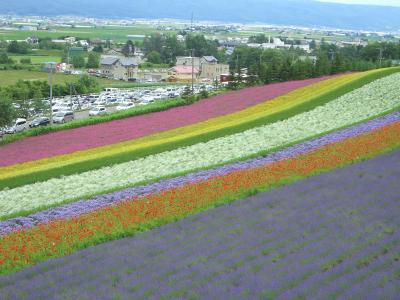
373,99
35,148
85,206
279,108
238,175
307,240
36,59
115,33
11,77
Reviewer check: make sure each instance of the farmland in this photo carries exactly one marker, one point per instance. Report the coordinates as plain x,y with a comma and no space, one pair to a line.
115,33
328,242
10,77
282,191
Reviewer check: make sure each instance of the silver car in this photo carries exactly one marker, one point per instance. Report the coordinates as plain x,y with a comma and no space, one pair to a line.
63,117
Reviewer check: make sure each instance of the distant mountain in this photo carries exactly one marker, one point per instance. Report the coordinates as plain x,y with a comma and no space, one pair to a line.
284,12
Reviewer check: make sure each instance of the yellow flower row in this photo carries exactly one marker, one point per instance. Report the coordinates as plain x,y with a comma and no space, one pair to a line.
279,104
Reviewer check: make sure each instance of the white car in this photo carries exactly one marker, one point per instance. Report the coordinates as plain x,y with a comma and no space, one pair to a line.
125,106
18,126
98,111
147,99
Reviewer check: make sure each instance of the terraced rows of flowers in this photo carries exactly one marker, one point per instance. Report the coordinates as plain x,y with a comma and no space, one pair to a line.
303,241
280,108
54,206
87,137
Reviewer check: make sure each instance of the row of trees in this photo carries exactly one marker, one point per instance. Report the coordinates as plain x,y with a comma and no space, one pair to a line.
79,61
164,49
274,65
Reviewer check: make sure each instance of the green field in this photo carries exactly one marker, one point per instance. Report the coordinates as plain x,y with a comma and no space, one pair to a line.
36,59
117,34
10,77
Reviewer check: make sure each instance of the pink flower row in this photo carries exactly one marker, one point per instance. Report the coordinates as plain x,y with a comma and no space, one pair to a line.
87,137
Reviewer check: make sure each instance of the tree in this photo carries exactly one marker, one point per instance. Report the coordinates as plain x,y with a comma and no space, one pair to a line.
322,65
78,61
87,84
154,57
6,111
98,49
16,47
4,59
200,45
26,61
129,48
93,60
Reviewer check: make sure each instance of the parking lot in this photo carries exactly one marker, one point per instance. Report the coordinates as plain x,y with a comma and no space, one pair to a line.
78,107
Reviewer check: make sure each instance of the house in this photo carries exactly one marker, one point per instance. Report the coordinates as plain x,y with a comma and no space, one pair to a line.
153,75
28,28
32,40
206,67
137,54
70,40
187,61
183,73
119,68
211,69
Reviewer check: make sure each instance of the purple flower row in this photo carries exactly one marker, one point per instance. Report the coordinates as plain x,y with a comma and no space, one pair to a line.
85,206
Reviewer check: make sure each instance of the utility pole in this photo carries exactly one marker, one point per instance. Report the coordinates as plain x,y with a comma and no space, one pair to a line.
192,71
332,54
238,68
70,94
51,93
380,57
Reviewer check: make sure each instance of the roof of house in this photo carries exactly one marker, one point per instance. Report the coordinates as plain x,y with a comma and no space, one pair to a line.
108,61
185,70
126,62
210,58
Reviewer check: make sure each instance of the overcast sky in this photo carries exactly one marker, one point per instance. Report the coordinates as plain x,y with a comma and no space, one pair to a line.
373,2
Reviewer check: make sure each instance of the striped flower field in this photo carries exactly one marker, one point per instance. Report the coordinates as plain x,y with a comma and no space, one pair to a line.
57,201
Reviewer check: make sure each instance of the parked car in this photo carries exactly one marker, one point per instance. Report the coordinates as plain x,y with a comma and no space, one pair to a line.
98,111
124,106
41,121
18,126
63,117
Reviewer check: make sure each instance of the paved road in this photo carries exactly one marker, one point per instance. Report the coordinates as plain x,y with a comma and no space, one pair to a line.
85,113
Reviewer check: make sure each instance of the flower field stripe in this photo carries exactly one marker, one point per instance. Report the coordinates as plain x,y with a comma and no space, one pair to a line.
81,162
276,103
97,135
360,105
85,206
59,238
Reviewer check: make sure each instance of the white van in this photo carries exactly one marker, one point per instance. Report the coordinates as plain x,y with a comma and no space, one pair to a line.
19,125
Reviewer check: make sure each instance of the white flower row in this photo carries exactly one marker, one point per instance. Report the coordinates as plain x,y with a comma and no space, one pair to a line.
368,101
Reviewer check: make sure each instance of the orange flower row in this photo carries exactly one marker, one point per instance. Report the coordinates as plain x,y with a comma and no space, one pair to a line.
29,246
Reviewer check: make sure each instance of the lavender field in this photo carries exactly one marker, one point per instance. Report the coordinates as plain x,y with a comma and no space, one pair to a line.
333,236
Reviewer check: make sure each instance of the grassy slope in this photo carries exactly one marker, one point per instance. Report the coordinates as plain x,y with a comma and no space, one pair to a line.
96,162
